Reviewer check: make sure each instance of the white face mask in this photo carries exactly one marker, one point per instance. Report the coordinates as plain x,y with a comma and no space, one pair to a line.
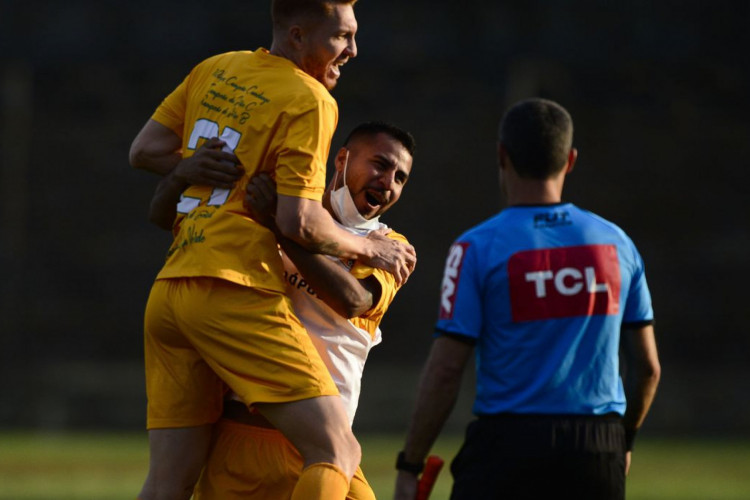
343,205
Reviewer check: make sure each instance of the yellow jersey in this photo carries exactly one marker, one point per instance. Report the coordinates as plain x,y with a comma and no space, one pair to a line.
370,320
275,118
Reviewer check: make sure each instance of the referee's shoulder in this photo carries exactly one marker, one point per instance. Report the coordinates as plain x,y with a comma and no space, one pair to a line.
606,224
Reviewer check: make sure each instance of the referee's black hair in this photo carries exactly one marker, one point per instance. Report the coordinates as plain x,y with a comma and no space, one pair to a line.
369,129
537,135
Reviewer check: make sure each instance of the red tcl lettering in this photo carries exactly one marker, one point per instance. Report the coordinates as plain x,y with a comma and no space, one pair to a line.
450,279
564,282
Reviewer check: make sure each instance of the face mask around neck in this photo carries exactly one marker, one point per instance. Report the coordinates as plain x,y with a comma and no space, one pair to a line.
343,205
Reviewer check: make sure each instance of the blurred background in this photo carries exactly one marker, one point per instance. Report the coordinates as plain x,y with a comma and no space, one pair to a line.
659,97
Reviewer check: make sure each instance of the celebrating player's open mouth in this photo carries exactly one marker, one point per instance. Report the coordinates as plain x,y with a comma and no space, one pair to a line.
374,200
336,69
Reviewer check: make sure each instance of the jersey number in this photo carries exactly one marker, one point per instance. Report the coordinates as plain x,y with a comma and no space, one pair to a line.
207,129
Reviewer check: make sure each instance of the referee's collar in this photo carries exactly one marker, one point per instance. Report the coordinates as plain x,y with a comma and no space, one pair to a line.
539,205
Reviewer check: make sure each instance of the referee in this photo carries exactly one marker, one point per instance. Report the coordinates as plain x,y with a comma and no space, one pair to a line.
549,296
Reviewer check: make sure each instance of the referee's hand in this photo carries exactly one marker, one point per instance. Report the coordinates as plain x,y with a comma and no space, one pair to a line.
406,486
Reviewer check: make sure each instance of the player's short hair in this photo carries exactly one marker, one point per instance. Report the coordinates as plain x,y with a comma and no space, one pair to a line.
373,128
537,135
284,13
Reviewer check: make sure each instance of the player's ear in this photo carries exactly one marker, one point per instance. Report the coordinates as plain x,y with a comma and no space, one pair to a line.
296,36
341,158
572,157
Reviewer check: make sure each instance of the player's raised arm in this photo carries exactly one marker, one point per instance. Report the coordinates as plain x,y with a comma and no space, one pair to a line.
158,149
163,208
341,291
307,223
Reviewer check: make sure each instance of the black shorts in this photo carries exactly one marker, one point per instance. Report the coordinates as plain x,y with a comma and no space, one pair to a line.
541,457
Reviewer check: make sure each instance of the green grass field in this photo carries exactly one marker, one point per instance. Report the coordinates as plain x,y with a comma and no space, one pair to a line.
79,466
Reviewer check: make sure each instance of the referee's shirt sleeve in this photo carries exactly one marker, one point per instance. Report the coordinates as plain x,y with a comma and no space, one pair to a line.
460,308
638,307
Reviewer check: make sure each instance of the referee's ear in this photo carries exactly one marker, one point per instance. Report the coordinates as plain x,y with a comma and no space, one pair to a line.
572,157
502,156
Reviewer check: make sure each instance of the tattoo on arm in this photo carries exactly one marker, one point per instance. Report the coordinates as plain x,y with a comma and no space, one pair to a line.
329,248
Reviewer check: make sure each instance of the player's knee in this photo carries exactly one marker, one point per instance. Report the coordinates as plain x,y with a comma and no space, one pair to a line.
167,492
177,492
168,489
350,455
340,448
357,451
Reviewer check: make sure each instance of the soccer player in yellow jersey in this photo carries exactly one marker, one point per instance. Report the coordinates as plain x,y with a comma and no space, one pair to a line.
340,303
217,316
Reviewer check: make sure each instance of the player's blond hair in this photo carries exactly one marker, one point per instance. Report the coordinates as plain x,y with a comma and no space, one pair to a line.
287,12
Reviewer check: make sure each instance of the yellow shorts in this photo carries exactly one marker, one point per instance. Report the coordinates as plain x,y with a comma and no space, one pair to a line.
204,335
254,463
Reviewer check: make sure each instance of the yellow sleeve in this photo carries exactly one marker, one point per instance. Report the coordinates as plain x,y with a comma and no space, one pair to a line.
171,111
301,167
388,288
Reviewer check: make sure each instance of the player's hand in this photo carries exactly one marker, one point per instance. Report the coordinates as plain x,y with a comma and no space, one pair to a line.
260,199
383,230
210,166
393,256
406,486
628,459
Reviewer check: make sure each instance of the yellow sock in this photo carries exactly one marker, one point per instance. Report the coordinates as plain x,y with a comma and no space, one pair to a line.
321,481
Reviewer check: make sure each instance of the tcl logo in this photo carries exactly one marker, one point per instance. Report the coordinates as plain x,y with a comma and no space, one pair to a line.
450,279
567,281
564,282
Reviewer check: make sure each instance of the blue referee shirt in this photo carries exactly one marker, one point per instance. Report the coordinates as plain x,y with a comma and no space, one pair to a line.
543,291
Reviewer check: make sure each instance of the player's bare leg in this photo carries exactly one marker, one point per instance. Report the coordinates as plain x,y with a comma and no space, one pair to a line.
176,460
319,429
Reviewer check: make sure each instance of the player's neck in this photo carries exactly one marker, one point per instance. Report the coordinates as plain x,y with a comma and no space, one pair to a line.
281,50
326,202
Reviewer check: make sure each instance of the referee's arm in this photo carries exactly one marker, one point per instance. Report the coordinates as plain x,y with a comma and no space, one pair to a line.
641,376
437,392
